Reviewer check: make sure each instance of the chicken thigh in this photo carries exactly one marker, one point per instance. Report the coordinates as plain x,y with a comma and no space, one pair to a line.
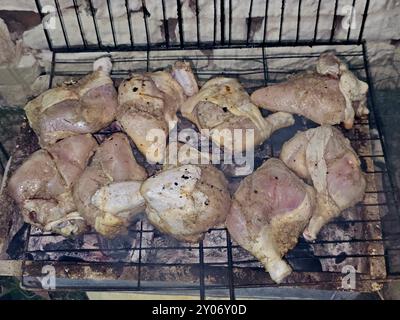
42,186
185,201
84,107
331,95
269,211
324,157
107,193
148,104
222,105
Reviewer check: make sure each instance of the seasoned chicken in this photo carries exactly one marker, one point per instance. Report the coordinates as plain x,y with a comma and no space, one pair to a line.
107,193
324,157
331,95
182,72
185,201
222,105
269,211
42,185
84,107
148,104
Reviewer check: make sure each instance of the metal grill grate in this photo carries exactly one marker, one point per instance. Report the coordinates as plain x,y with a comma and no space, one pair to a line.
369,237
217,23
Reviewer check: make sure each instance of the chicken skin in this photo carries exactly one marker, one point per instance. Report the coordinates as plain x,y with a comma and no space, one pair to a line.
222,105
107,193
330,95
42,186
185,201
148,104
325,157
84,107
269,211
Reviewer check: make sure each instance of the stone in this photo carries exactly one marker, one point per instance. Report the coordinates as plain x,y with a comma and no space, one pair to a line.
18,5
7,47
14,95
23,71
382,25
17,80
40,85
28,68
35,38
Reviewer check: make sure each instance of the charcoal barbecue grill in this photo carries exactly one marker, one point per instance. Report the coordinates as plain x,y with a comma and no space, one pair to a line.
367,237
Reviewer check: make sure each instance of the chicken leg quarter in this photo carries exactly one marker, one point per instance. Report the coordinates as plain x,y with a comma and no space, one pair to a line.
269,211
42,185
107,192
222,106
84,107
185,201
330,95
324,156
148,104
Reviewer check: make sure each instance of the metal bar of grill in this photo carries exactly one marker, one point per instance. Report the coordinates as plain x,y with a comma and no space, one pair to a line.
222,4
61,19
215,23
334,20
249,22
165,22
282,20
78,19
351,19
265,22
111,23
317,21
46,32
145,15
180,24
197,22
298,21
365,14
201,273
95,24
230,23
128,13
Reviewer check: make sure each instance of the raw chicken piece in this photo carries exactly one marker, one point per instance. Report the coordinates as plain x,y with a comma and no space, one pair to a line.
331,95
141,111
84,107
223,104
269,211
186,201
107,193
324,156
42,185
182,72
149,102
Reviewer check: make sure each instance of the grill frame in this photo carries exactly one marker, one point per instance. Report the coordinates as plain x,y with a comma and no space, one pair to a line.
229,275
226,277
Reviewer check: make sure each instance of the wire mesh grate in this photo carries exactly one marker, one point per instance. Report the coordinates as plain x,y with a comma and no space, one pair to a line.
145,260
